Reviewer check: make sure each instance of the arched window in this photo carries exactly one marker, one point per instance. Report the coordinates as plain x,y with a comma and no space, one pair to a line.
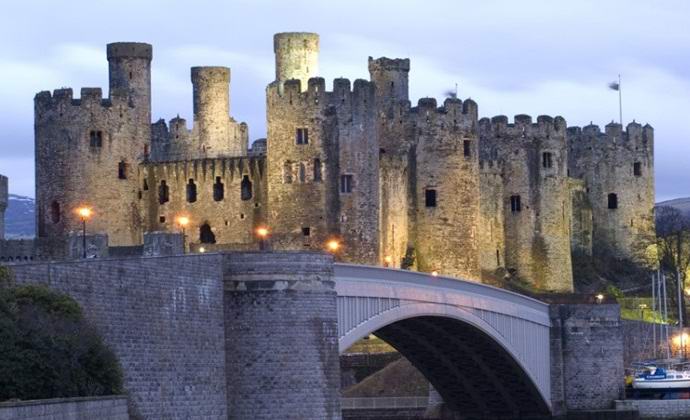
55,212
191,191
613,201
163,193
515,204
218,190
246,192
206,235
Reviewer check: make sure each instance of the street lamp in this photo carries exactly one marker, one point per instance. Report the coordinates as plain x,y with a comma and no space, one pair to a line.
84,213
262,232
387,261
183,221
434,273
599,297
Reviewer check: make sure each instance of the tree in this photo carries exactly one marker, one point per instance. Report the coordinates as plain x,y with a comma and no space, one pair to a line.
673,239
48,350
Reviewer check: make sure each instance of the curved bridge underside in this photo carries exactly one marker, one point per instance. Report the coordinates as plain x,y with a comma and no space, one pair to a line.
485,350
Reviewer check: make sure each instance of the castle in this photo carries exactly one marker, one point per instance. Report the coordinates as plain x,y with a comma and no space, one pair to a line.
430,187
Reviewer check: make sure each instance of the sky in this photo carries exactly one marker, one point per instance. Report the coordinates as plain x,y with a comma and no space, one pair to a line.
534,57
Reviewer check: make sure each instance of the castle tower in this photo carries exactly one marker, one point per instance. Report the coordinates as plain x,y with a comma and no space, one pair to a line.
391,78
88,150
536,199
215,131
3,204
618,170
395,132
297,56
129,68
446,188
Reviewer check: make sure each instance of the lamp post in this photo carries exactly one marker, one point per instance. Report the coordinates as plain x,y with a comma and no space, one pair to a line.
183,221
84,214
262,233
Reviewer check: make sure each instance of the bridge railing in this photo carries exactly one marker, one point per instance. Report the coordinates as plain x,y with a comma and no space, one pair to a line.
369,403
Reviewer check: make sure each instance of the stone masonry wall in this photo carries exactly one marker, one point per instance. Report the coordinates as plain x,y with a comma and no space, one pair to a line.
581,217
163,318
219,203
586,357
88,408
619,163
537,230
87,150
447,167
492,245
281,336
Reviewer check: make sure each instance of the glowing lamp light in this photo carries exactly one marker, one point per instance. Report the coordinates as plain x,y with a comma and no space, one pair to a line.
680,340
262,232
434,273
599,297
202,249
183,221
333,245
84,212
388,259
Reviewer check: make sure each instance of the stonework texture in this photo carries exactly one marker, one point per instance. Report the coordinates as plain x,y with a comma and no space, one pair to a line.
586,357
281,337
163,318
87,408
428,187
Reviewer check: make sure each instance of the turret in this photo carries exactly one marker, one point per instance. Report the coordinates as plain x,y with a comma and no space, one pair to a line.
391,78
297,56
3,204
129,68
212,106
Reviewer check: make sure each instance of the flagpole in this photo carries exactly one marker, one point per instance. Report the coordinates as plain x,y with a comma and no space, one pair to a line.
620,101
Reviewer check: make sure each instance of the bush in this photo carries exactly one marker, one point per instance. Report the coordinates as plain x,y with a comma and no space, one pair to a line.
48,350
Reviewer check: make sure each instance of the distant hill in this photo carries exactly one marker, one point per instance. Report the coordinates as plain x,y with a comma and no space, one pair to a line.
682,204
20,217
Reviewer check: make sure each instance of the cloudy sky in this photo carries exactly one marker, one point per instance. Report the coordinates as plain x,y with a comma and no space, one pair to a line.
533,57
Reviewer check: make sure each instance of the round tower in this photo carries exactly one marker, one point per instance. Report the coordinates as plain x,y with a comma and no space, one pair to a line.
391,79
297,56
212,107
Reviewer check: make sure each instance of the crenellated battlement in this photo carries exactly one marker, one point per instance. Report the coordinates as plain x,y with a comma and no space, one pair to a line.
634,136
117,50
453,114
206,169
522,126
61,98
290,93
388,64
490,167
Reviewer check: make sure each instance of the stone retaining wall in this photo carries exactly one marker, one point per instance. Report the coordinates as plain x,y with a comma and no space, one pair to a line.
86,408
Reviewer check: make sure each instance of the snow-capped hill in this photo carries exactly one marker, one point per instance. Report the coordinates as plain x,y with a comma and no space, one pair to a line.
20,217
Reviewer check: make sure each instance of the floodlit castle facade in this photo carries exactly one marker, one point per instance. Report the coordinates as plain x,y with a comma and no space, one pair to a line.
430,187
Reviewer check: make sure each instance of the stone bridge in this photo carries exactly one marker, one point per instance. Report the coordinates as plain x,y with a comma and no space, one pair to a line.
257,335
485,350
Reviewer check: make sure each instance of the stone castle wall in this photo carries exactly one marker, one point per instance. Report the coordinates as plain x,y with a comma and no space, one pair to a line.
226,194
4,198
618,169
88,150
536,198
446,188
491,233
84,408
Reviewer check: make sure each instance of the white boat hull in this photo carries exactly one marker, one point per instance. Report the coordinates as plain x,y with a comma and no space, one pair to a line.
661,383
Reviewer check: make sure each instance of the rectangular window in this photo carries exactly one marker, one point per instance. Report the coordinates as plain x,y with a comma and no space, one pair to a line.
637,168
613,201
430,198
96,138
122,170
467,148
306,231
302,136
346,182
547,160
515,204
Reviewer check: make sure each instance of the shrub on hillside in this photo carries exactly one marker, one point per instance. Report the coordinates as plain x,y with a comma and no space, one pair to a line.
48,350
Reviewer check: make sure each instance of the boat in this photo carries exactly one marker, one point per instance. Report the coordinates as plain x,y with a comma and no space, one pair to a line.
652,376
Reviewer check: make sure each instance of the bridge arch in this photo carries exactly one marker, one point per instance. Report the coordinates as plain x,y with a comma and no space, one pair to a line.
482,348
